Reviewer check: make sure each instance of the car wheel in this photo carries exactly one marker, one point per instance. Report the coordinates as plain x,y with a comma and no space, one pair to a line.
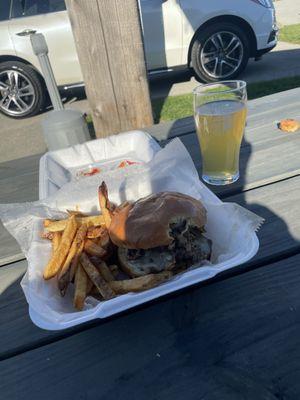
219,52
22,92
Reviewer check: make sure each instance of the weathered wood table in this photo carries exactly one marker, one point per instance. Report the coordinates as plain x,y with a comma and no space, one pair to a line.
234,337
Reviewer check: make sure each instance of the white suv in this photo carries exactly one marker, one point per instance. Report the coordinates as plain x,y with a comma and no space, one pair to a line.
215,38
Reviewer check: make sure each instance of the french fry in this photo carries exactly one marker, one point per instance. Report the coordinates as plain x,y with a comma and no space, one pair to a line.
77,213
104,240
59,226
90,285
81,288
101,234
91,220
58,258
104,204
114,269
74,266
95,232
75,251
47,235
141,283
105,272
55,241
94,292
94,249
95,276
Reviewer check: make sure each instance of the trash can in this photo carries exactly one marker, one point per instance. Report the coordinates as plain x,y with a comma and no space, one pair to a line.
64,128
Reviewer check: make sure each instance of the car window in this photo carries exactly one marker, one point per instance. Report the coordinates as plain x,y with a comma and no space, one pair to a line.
4,10
27,8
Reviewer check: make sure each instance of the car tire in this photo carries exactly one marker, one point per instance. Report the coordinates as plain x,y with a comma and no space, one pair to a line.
22,90
207,48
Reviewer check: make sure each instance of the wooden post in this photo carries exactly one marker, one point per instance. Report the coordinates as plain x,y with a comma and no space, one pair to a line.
109,43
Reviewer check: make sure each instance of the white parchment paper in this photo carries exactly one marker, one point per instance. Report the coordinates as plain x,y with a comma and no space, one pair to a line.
231,228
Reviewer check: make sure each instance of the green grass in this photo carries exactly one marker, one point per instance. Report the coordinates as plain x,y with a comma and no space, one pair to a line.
290,33
175,107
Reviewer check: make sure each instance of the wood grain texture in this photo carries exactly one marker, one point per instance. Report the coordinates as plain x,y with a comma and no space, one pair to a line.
279,237
261,162
14,308
236,339
18,183
233,339
263,114
109,43
21,166
265,158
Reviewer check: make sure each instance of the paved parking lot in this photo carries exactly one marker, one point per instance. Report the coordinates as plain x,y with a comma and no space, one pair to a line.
21,138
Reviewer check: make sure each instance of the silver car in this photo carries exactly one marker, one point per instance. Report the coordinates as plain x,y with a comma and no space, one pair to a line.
215,38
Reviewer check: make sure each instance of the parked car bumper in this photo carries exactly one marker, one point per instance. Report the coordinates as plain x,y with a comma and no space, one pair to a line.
261,52
271,43
267,36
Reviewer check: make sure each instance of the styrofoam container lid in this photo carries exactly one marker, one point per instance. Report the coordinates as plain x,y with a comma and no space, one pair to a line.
59,167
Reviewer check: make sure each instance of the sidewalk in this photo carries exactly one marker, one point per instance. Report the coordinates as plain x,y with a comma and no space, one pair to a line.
22,138
288,12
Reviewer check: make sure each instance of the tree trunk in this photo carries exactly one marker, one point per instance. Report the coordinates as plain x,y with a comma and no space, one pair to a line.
109,43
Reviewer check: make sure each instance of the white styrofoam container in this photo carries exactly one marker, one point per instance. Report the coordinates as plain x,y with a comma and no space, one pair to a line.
61,166
231,227
130,300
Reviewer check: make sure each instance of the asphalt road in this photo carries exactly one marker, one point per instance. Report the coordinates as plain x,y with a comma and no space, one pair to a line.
20,138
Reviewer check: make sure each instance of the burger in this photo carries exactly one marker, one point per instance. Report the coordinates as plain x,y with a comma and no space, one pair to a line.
161,232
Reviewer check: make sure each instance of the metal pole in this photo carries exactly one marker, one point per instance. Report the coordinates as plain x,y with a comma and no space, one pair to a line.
40,49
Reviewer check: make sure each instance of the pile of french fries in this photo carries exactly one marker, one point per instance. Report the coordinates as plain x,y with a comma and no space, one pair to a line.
83,255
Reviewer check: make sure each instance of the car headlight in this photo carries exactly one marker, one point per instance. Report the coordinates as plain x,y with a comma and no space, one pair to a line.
265,3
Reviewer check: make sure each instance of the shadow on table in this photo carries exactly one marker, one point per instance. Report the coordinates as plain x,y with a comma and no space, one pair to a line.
194,344
275,238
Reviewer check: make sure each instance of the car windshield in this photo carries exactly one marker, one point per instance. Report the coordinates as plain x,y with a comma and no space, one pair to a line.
4,10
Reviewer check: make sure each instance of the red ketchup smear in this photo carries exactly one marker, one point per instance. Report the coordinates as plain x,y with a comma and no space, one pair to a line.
93,171
125,163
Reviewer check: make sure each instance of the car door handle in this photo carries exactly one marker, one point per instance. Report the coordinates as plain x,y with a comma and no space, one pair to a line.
26,32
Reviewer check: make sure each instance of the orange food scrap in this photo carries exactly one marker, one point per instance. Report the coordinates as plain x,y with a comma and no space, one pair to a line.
125,163
289,125
93,171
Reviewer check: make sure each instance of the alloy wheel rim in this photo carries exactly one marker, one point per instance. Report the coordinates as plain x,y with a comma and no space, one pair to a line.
222,54
16,93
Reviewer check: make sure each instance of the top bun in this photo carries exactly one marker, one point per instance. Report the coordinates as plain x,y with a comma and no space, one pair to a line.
146,223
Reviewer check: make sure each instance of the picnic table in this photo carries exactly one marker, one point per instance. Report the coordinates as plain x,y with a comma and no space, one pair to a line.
236,336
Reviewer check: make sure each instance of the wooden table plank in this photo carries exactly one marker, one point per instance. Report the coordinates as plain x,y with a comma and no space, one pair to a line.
260,112
10,250
260,164
14,312
175,325
279,237
19,167
17,187
233,339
